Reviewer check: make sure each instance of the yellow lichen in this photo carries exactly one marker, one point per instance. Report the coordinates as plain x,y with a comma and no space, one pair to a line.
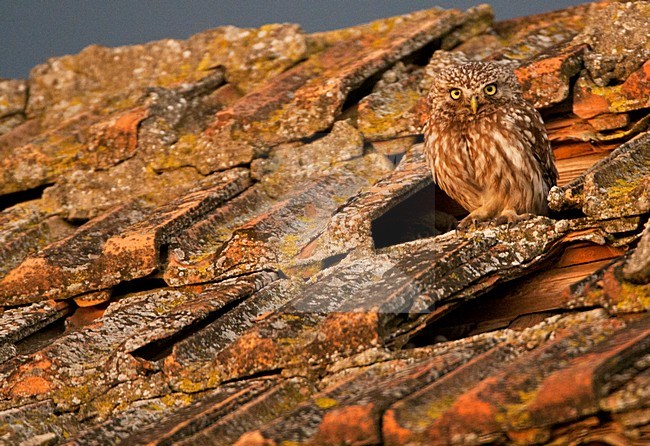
325,402
436,409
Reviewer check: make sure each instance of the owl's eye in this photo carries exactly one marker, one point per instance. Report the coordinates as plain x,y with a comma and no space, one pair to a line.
490,89
455,93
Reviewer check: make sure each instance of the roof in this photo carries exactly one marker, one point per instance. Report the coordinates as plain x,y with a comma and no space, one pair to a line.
235,238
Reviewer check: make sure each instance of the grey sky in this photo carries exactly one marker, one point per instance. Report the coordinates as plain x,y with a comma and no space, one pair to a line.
33,30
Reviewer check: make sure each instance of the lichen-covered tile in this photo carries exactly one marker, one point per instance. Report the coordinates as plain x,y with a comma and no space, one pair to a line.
609,121
221,422
105,78
93,298
141,408
271,240
285,169
24,229
397,106
307,98
590,100
13,99
45,157
18,323
39,429
41,276
258,231
78,368
294,163
350,226
205,344
637,267
545,79
86,141
346,308
114,247
350,410
518,396
609,288
572,18
617,39
13,96
633,394
602,191
251,56
85,194
534,44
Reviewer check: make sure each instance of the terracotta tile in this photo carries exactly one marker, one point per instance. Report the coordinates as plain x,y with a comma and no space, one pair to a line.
590,100
307,98
121,245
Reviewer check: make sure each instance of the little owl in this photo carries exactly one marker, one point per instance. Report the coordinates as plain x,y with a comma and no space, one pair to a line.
487,146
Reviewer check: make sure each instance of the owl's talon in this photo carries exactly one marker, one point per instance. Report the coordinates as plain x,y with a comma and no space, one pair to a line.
511,218
463,225
472,221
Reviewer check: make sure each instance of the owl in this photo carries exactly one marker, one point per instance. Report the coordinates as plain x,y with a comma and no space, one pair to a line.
486,145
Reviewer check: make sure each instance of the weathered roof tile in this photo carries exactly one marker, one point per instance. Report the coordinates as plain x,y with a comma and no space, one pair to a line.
602,191
115,247
507,400
616,50
307,98
591,100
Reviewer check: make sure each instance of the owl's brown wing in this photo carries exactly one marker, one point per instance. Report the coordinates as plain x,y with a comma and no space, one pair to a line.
538,141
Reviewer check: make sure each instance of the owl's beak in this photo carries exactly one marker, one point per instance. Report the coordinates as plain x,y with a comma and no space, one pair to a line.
473,102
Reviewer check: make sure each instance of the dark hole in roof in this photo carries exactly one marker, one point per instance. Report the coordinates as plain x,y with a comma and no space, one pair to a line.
427,213
161,348
9,200
136,286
